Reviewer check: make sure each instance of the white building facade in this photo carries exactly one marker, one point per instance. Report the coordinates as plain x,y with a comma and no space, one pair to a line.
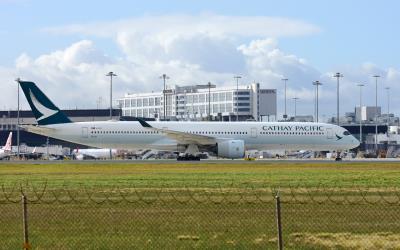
198,102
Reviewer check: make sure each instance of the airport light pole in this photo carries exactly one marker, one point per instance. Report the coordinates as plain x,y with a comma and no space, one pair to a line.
295,107
164,77
111,75
237,96
360,85
18,152
285,114
376,111
316,84
388,103
209,101
338,76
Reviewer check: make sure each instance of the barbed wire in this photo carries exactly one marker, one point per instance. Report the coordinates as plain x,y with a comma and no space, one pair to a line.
244,193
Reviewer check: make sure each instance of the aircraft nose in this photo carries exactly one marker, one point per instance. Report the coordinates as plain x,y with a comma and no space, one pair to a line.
354,142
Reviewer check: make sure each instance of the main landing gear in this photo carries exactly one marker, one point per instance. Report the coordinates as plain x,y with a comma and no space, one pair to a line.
188,157
190,154
338,156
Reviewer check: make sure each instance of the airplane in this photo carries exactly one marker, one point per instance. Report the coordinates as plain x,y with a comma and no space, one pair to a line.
94,153
6,151
224,139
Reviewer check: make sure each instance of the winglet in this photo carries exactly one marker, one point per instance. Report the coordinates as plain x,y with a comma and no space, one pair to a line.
144,123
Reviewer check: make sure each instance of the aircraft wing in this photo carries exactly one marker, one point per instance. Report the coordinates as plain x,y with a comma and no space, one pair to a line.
183,137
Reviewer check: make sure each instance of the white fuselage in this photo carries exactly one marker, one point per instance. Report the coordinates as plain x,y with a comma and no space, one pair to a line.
94,153
4,153
256,135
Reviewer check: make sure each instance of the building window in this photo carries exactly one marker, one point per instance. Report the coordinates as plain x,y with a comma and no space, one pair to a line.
214,97
195,99
139,102
243,98
229,96
202,98
222,108
151,101
157,101
133,102
244,109
215,108
146,113
145,102
203,109
127,103
221,97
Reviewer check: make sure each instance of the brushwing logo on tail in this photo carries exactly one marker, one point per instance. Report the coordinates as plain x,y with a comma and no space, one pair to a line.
46,112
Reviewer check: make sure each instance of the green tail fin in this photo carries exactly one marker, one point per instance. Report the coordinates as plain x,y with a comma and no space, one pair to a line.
43,109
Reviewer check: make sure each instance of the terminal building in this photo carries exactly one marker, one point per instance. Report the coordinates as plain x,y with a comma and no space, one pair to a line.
203,102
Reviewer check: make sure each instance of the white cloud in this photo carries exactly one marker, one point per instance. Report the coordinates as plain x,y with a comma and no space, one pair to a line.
191,50
207,40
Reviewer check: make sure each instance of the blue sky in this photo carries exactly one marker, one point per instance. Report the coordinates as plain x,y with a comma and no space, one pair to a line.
355,37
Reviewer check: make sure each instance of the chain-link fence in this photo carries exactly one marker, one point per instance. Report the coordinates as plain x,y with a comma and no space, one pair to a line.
200,218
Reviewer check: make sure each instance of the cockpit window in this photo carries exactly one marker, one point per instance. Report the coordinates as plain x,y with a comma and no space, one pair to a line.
346,133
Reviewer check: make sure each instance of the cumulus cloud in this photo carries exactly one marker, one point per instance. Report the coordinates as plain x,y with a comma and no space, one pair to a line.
207,40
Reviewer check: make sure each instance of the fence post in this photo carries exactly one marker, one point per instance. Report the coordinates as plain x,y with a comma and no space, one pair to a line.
26,245
278,221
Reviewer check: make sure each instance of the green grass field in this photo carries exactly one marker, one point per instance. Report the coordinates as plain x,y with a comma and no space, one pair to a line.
202,206
272,174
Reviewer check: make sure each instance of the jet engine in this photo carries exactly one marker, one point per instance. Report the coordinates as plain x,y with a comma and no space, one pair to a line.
231,149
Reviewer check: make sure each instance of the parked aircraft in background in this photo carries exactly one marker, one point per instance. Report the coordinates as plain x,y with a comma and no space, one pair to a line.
6,151
94,153
225,139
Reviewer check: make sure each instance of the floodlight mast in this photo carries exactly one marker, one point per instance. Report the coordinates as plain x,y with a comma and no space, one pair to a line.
317,84
111,75
338,76
360,85
285,114
376,111
164,77
237,96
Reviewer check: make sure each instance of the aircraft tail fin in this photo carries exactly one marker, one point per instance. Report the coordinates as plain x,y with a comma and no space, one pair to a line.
43,109
8,145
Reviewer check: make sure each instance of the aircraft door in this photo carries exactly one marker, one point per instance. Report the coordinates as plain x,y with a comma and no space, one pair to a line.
329,133
84,132
253,132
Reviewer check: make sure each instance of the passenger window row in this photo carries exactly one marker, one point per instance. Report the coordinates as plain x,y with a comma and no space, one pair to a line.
157,132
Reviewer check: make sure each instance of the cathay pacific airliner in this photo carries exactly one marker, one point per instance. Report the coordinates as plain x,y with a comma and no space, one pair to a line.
224,139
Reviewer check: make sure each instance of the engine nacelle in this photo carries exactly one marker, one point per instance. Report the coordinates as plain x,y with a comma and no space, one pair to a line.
231,149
